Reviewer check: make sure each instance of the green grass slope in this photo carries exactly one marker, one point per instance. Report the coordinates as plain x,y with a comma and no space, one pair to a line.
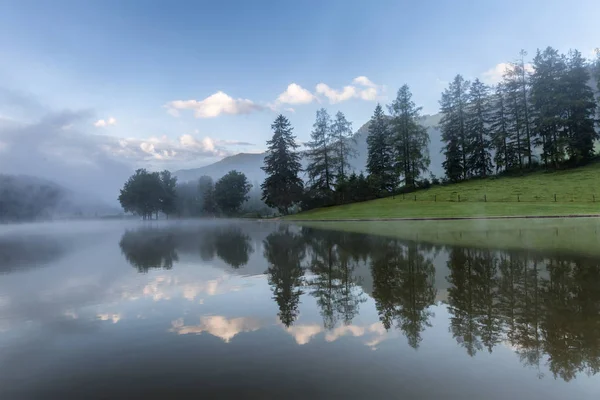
577,192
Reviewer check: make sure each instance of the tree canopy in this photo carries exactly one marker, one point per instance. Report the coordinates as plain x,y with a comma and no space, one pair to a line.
147,193
231,191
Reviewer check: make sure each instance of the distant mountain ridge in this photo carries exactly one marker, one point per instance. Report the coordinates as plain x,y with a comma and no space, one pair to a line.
250,164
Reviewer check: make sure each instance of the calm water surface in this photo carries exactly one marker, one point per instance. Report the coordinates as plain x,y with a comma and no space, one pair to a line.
266,310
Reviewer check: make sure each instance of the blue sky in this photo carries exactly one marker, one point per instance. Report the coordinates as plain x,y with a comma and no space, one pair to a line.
184,83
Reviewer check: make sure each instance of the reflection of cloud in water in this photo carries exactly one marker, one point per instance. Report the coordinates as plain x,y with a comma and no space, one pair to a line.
109,317
304,333
218,326
374,333
343,330
169,286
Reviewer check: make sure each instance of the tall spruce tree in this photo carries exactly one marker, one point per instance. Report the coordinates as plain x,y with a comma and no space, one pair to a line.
499,129
596,69
548,103
341,132
518,82
322,166
380,163
477,122
410,138
515,119
596,75
580,110
283,187
453,127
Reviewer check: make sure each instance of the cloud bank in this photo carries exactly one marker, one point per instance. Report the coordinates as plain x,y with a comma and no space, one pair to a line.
213,106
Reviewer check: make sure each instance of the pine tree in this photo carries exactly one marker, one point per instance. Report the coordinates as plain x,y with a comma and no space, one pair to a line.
518,81
477,123
596,69
596,76
283,187
499,130
515,119
454,133
341,131
380,151
547,99
322,163
410,139
580,110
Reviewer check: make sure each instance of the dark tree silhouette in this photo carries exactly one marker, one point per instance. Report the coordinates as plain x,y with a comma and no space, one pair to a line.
403,288
145,249
233,246
284,252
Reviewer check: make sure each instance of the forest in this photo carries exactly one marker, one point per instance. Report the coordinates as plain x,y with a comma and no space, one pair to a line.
542,115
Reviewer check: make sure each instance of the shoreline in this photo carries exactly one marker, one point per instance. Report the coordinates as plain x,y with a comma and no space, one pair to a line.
441,218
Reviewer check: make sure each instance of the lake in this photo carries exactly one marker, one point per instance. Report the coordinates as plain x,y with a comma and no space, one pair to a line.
225,309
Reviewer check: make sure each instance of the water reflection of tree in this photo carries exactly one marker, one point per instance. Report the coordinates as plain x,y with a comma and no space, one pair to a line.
548,310
571,326
403,280
149,249
334,257
284,251
233,246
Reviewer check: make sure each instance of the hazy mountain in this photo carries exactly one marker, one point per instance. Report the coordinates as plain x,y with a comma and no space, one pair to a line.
250,164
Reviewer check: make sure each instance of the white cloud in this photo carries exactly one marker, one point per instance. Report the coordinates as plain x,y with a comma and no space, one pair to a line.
369,94
101,123
213,106
186,147
368,91
495,74
363,81
290,109
218,326
336,96
295,94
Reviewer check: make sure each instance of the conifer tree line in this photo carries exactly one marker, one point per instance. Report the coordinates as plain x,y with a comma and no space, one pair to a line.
542,114
398,155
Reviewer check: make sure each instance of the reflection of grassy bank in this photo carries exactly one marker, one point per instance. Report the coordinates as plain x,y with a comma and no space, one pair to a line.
575,235
398,208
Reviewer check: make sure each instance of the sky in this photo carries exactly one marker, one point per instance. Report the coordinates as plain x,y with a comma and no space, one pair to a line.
115,85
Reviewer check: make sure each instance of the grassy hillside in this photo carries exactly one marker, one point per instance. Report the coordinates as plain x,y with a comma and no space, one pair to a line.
532,194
